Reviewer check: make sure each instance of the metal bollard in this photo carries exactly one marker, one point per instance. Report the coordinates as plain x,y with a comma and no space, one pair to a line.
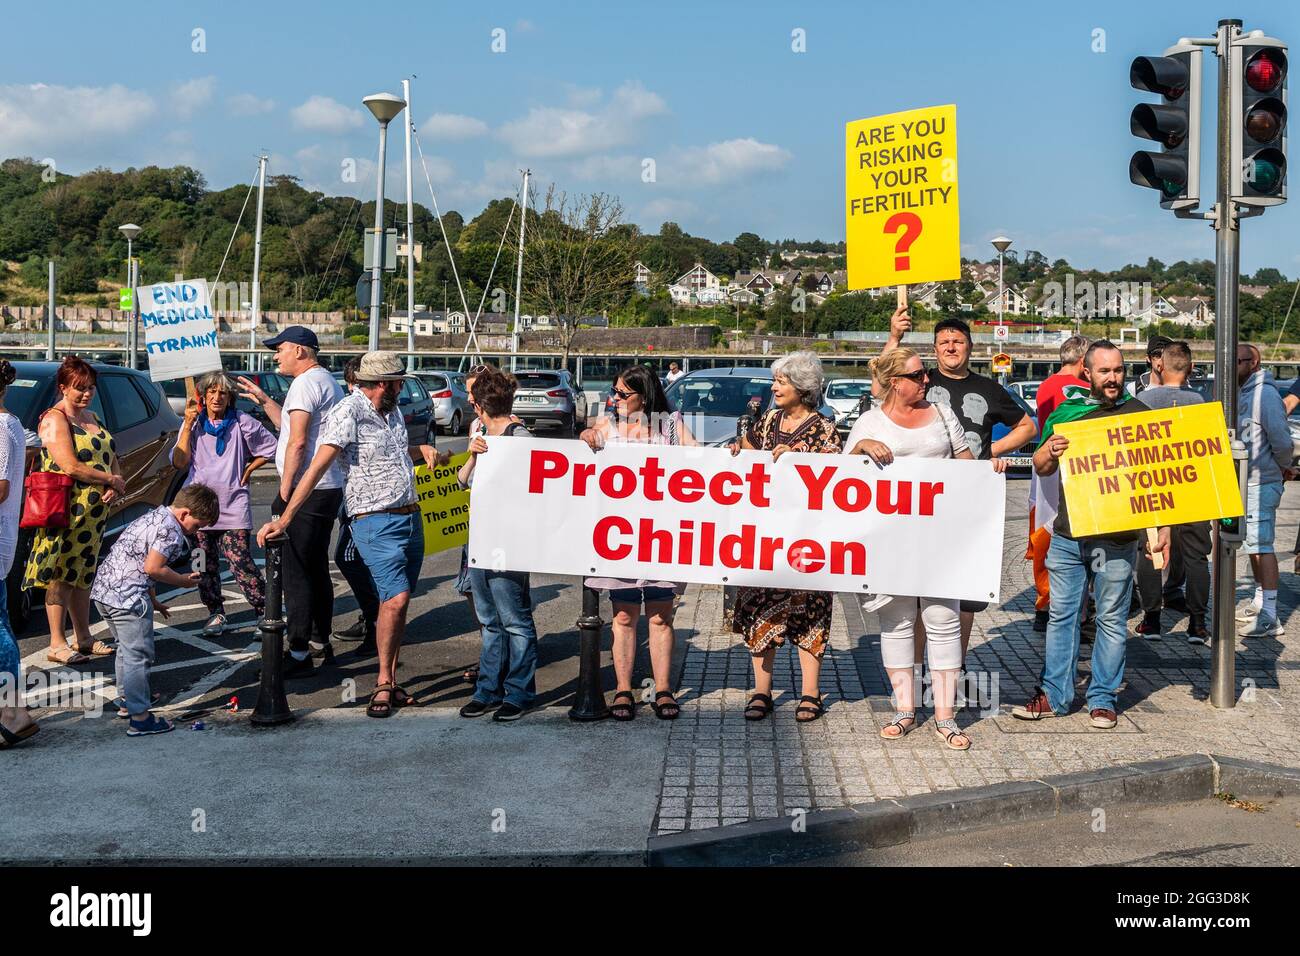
589,701
272,705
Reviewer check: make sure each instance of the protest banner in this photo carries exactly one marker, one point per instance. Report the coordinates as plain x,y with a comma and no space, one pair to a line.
815,522
1149,469
180,331
444,505
901,208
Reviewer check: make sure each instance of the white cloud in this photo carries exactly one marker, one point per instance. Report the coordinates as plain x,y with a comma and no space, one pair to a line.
554,131
36,118
324,115
452,126
665,210
247,104
192,95
728,161
626,168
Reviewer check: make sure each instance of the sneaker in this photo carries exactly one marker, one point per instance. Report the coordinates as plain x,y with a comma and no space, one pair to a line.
1103,718
297,668
1037,708
1264,626
1197,632
1040,621
354,633
476,708
1247,613
151,724
216,625
1149,628
508,711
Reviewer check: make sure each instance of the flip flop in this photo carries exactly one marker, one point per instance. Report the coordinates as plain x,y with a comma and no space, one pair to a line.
10,739
69,656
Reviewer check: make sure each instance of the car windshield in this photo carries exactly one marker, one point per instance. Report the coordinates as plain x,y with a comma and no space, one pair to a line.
21,398
1028,390
725,397
847,389
529,380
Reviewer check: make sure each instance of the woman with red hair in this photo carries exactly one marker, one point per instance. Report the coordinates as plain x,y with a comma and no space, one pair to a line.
63,560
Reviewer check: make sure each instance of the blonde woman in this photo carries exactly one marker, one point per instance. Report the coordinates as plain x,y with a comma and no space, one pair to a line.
904,425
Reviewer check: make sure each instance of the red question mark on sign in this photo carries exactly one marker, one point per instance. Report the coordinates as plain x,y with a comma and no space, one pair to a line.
910,223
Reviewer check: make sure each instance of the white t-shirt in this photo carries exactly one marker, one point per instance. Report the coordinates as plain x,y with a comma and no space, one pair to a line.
674,376
12,451
943,437
314,391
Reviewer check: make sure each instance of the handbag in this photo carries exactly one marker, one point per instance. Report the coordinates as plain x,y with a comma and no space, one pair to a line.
46,503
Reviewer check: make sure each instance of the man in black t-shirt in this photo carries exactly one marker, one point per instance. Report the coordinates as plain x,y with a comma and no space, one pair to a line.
1107,560
979,403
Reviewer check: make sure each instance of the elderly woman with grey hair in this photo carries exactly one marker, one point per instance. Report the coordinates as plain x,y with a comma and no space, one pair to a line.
768,617
220,446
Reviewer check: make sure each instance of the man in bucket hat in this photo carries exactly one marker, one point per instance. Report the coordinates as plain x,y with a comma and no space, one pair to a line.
366,436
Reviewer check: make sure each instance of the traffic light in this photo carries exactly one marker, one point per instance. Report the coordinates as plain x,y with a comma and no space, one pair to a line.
1259,121
1174,123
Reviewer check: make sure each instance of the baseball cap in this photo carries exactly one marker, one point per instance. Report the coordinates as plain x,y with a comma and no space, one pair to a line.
1157,344
297,334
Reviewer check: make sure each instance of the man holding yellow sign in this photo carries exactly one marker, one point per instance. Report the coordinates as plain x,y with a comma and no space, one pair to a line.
1106,554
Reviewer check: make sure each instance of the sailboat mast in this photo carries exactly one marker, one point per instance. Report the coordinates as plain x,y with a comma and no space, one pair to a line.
519,272
410,238
255,315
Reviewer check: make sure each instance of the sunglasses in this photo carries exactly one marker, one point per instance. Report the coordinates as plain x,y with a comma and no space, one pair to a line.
622,394
918,376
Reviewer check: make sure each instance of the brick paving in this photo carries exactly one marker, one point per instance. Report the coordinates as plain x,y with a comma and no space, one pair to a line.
721,769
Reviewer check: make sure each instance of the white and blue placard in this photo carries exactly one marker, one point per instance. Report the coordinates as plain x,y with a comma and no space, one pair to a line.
180,331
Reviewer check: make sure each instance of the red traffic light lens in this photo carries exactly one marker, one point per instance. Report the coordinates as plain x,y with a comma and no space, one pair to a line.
1265,70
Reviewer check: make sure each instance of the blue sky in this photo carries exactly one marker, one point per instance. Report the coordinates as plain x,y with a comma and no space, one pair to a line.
745,133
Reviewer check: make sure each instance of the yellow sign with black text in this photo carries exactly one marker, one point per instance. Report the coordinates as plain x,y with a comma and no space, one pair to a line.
900,198
1149,469
444,505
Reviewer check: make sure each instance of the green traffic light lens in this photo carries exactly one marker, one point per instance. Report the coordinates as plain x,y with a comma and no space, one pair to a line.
1264,175
1171,188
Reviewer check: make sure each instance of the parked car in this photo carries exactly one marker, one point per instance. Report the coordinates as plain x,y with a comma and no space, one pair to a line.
451,409
144,427
845,396
550,397
1021,461
1026,390
1293,420
416,406
712,400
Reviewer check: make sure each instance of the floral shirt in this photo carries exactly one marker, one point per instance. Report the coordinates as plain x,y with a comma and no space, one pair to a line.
121,581
376,464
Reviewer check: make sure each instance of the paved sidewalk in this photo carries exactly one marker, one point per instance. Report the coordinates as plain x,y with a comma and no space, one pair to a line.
722,769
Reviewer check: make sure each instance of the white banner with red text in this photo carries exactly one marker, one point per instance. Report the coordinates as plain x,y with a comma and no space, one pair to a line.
665,513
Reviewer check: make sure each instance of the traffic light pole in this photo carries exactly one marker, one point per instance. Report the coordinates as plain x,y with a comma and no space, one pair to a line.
1227,272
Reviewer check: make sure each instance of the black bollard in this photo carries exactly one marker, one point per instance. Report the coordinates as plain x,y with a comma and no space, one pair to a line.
589,701
272,704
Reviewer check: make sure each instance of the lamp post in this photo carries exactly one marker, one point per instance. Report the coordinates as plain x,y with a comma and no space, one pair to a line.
131,230
385,107
1001,244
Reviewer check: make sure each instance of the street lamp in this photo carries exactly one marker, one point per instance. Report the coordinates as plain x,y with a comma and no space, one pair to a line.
1001,244
131,230
384,106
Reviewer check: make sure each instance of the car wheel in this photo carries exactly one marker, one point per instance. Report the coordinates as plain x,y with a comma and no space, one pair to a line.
454,427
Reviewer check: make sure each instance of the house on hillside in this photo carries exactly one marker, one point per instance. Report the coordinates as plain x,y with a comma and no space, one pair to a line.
698,277
982,271
1014,302
1256,290
1192,311
641,276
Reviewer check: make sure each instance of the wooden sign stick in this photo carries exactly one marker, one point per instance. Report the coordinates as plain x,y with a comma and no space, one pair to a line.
191,388
1153,542
902,297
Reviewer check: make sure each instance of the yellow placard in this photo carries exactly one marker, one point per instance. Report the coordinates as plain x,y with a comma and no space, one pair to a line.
444,505
900,198
1148,469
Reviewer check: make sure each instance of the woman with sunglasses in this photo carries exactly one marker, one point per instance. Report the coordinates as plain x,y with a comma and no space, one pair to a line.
644,417
904,425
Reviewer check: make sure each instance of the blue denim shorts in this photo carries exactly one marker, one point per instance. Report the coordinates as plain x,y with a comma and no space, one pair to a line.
1261,517
392,547
638,596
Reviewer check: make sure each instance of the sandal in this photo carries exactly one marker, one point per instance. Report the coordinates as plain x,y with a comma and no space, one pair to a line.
470,676
66,655
380,708
402,699
755,712
669,710
10,739
899,717
623,711
947,730
120,704
816,709
98,649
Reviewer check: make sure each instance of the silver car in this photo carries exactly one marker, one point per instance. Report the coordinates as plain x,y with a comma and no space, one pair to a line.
713,400
846,396
550,397
451,409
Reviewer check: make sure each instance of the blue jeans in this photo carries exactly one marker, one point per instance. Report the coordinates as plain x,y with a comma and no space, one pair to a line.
133,632
10,659
505,612
1070,566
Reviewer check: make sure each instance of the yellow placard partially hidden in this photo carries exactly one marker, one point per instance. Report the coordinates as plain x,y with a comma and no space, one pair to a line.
900,198
444,505
1148,469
